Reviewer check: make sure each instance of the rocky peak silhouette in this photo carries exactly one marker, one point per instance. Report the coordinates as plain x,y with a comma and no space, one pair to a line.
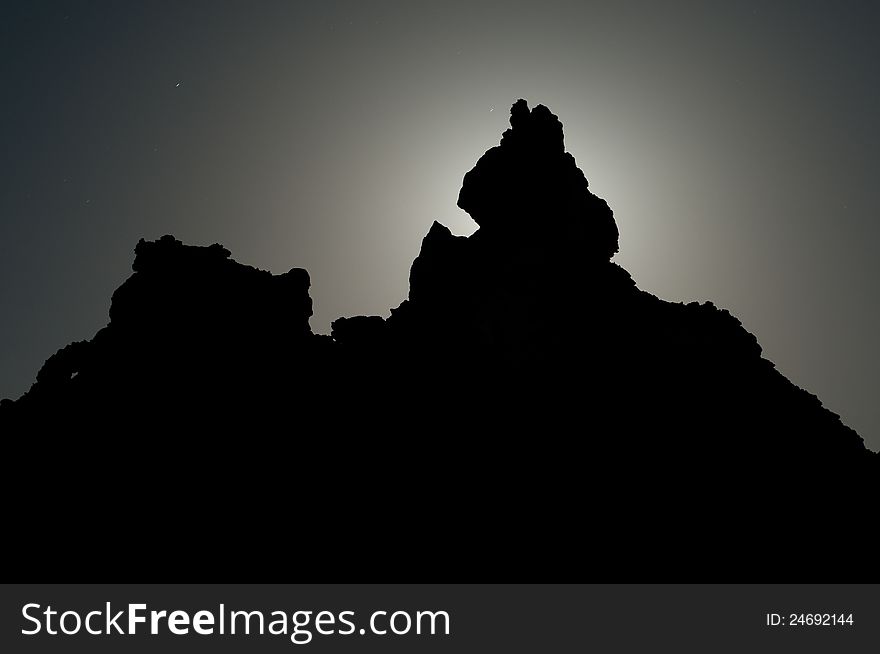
526,396
529,188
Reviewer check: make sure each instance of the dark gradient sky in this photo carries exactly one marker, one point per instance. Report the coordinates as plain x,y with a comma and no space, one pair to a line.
738,144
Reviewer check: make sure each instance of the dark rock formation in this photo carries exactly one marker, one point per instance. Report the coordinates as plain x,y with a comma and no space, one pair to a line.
530,179
190,332
526,413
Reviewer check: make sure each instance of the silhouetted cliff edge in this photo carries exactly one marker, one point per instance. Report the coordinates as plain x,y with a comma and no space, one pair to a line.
527,409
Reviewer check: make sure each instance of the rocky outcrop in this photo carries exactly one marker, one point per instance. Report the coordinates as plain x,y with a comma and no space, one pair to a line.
527,407
530,189
192,335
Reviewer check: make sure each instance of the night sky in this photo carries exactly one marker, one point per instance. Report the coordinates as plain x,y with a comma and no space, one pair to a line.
738,144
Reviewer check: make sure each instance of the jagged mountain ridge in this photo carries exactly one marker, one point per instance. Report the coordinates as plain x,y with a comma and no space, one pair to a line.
523,359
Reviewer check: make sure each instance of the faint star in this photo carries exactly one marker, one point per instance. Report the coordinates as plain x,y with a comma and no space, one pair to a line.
178,84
